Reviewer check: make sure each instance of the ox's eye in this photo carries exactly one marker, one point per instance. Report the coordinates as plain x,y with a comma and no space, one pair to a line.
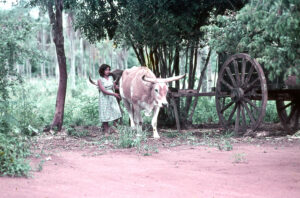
156,90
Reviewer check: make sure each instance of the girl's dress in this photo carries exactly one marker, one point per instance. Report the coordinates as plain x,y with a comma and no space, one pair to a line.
109,109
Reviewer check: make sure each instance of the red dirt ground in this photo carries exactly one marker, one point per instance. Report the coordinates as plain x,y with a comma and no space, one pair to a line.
250,170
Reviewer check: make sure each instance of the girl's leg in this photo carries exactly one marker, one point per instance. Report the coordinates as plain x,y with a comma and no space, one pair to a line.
105,127
115,123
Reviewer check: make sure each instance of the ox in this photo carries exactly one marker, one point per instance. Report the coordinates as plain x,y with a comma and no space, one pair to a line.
141,90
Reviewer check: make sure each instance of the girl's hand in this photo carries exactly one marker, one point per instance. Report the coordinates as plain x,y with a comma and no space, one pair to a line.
117,96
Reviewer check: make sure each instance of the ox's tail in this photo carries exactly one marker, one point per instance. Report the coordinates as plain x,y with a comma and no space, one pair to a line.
91,81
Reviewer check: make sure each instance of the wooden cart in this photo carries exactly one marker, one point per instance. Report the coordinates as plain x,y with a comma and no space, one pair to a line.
242,92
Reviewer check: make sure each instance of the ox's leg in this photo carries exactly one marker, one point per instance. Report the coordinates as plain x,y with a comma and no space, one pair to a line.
154,122
130,112
138,119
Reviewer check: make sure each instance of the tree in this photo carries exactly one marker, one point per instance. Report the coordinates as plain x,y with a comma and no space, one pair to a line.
158,30
58,38
267,30
16,48
55,11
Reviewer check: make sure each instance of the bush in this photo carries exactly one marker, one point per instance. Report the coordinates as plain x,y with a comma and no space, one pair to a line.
13,151
205,111
271,112
128,137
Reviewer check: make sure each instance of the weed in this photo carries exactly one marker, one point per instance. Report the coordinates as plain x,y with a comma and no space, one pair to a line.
171,134
13,151
239,158
40,165
149,149
225,145
76,133
128,137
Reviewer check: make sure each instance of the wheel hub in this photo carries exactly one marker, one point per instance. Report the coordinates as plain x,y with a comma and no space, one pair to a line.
237,94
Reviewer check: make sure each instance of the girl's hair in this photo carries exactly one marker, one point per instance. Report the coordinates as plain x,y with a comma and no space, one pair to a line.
102,68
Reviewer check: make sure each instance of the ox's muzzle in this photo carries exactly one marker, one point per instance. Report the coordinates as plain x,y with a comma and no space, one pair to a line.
165,104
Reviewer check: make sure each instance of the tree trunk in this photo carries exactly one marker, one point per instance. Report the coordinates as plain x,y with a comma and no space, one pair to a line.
83,65
176,66
191,79
71,34
202,75
56,21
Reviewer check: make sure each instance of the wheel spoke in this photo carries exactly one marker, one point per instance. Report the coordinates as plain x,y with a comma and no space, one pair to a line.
285,106
225,83
237,119
232,112
252,104
289,118
243,118
231,76
236,70
293,111
243,71
227,106
249,75
249,113
251,85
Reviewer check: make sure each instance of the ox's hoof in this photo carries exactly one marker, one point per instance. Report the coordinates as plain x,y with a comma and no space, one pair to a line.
156,137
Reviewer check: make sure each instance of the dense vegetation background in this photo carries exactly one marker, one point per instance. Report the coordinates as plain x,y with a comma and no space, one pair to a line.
169,37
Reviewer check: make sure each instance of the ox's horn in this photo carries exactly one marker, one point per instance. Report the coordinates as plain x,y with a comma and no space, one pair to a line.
162,80
91,81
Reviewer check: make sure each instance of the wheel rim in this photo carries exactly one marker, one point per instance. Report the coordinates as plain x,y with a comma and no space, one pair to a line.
241,83
288,114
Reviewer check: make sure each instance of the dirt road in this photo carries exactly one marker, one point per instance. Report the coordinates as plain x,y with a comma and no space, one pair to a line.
247,171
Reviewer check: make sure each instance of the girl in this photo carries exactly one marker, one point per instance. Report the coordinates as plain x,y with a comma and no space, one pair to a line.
109,109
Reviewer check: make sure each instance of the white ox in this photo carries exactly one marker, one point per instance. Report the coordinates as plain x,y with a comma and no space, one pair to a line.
141,90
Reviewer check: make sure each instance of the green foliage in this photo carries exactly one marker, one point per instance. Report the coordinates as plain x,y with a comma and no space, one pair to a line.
271,112
71,131
128,137
82,106
16,46
13,151
205,111
25,110
16,115
268,31
239,158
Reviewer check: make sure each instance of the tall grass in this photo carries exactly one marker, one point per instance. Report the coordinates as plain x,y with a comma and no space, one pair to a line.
37,99
206,112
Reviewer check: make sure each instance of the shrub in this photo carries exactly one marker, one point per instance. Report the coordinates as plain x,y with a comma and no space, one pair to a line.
205,111
13,151
128,137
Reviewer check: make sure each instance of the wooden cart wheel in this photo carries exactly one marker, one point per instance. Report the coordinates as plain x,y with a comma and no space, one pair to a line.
241,93
289,113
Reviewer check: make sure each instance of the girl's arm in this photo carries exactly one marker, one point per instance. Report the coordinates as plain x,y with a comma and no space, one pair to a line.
106,92
116,86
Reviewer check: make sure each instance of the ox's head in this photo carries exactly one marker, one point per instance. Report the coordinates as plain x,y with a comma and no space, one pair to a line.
159,88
